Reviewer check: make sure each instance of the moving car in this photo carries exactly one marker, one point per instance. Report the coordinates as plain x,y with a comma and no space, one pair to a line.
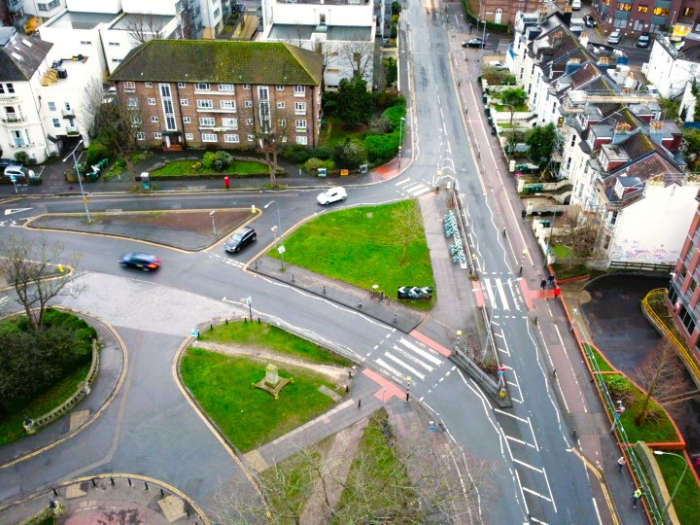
615,37
589,21
241,238
644,40
142,261
575,5
332,195
475,42
497,64
19,172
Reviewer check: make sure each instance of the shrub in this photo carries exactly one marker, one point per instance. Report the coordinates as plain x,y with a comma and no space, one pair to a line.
329,102
394,115
208,160
381,148
392,71
96,152
388,98
322,153
22,157
313,164
349,154
196,166
222,160
297,154
619,385
379,126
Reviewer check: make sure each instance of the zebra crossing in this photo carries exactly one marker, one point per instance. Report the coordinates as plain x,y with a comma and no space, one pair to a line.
411,189
502,293
403,358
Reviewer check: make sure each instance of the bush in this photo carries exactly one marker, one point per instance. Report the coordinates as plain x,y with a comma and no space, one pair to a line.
313,164
392,71
322,153
22,157
296,154
208,160
222,160
196,166
379,126
381,148
394,115
96,152
329,102
388,98
349,154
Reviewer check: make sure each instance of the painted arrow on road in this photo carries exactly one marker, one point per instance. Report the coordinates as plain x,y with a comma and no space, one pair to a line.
10,211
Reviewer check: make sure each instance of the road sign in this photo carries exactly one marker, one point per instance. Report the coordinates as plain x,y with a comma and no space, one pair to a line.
502,370
274,230
248,301
281,249
85,200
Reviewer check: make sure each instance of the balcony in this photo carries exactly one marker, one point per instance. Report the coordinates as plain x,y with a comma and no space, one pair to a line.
15,6
8,99
68,113
20,144
13,119
72,131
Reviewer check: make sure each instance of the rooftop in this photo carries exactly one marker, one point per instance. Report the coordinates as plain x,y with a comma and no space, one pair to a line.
148,24
75,20
288,32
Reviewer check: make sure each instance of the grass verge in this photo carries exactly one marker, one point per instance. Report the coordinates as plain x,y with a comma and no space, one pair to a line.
363,247
184,168
601,363
11,428
250,417
263,335
688,495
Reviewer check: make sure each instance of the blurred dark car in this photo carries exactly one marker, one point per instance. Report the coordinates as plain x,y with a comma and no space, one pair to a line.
4,163
644,40
475,42
589,21
141,261
240,239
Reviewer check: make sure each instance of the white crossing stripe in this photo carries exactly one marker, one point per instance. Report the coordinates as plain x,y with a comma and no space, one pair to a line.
403,182
420,191
404,365
489,292
412,358
502,295
421,352
384,364
413,186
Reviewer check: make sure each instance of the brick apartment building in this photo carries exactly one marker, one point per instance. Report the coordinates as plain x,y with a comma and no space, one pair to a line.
678,17
222,95
684,293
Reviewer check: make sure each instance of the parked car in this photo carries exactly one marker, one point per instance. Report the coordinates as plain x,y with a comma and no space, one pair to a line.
575,5
475,42
142,261
644,40
4,163
19,172
497,64
589,21
240,239
615,37
332,195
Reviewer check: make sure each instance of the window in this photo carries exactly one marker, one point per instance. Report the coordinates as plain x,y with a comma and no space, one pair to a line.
135,121
249,122
209,137
232,138
227,87
279,88
158,135
205,104
282,123
299,91
10,88
249,103
115,44
281,105
301,125
187,120
140,135
251,138
284,138
181,85
217,12
302,140
228,104
688,11
116,60
624,7
231,123
661,11
52,106
184,102
202,87
132,103
48,6
642,9
246,86
56,123
85,43
300,108
129,87
154,118
207,122
151,102
149,84
189,136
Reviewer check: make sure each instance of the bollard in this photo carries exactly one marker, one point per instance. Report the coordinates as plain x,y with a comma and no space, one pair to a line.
293,278
359,403
347,388
259,321
55,492
111,479
162,494
211,327
324,289
245,320
146,484
394,318
255,265
226,321
360,305
129,480
94,483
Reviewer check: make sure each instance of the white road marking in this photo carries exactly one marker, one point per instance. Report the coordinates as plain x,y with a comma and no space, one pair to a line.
530,491
10,211
401,182
527,465
412,358
421,352
383,364
502,295
404,365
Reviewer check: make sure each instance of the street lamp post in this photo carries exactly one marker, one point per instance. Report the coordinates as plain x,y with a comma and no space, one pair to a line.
408,388
522,262
401,124
680,480
80,182
278,230
213,221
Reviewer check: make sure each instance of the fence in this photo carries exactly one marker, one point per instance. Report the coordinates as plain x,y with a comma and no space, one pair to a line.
642,267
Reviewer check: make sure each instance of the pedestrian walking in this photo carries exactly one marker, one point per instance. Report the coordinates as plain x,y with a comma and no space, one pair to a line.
697,462
557,292
550,280
471,26
381,296
621,463
543,284
636,496
523,214
359,403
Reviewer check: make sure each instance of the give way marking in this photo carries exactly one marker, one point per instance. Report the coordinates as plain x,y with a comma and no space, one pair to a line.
10,211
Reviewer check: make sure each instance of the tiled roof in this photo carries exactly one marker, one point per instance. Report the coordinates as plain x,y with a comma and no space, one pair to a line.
638,145
583,76
226,62
21,57
649,167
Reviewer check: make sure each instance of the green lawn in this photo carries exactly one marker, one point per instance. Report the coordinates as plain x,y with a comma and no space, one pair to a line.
361,246
603,365
688,495
184,168
248,416
11,428
263,335
334,131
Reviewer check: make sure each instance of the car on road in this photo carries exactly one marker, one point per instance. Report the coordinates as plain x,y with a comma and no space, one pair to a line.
589,21
19,172
142,261
644,40
4,163
332,195
615,37
576,5
475,42
497,64
241,238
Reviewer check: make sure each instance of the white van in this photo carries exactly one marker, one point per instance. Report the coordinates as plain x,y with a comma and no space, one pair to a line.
19,172
575,5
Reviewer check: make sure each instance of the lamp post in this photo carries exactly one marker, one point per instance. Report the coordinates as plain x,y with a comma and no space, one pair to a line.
522,262
401,124
408,388
680,480
277,230
80,182
213,221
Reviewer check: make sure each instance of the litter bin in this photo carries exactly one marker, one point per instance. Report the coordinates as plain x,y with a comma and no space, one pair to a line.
322,172
145,180
92,176
227,182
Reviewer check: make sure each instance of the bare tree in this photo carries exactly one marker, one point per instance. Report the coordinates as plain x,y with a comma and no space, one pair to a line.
408,225
143,28
272,136
38,271
354,59
663,377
